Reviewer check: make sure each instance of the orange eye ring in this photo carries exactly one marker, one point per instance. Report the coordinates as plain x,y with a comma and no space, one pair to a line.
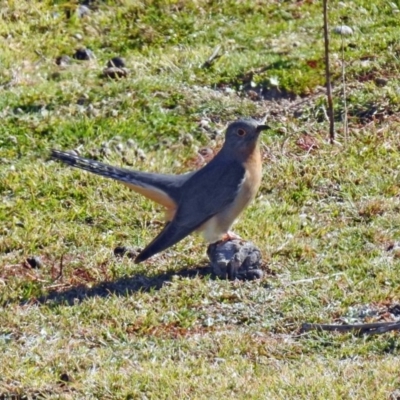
241,132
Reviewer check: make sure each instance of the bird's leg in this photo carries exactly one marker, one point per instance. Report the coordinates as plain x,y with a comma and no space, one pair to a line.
230,236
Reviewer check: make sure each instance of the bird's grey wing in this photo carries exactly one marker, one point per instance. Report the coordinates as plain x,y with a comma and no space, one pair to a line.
161,188
205,194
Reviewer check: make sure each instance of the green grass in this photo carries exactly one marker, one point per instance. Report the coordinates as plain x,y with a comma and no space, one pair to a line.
89,325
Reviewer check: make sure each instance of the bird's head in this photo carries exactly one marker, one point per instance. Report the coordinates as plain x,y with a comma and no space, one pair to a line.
241,136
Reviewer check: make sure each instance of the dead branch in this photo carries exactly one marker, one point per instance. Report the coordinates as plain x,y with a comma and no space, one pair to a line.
376,328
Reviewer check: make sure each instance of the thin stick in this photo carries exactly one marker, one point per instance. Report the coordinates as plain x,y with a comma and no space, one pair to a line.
369,329
60,273
345,122
214,57
328,76
308,280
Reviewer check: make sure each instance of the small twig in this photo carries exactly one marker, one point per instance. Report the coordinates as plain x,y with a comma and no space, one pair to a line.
345,121
42,57
315,279
325,113
11,82
368,329
214,57
40,54
60,272
58,286
264,120
328,76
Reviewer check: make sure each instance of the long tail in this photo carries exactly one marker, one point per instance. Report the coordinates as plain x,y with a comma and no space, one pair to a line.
161,188
99,168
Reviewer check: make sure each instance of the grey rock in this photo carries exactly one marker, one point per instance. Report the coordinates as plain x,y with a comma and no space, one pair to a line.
381,81
84,54
34,262
63,60
121,251
115,73
82,11
343,30
235,259
117,62
78,36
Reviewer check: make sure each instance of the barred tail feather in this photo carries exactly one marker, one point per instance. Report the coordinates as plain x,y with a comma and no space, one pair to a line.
93,166
163,189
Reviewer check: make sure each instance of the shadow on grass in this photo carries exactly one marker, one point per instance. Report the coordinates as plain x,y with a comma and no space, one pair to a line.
120,287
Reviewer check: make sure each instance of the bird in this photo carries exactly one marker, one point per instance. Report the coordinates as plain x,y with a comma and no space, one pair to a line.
207,200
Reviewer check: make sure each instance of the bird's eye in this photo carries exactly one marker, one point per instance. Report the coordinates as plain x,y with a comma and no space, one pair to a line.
241,132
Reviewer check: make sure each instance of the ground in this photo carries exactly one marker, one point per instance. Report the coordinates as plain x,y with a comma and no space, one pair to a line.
78,322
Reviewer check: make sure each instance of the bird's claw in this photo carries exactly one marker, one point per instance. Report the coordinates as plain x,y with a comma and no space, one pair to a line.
230,236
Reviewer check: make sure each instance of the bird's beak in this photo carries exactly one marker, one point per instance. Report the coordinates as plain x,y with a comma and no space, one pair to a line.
262,128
